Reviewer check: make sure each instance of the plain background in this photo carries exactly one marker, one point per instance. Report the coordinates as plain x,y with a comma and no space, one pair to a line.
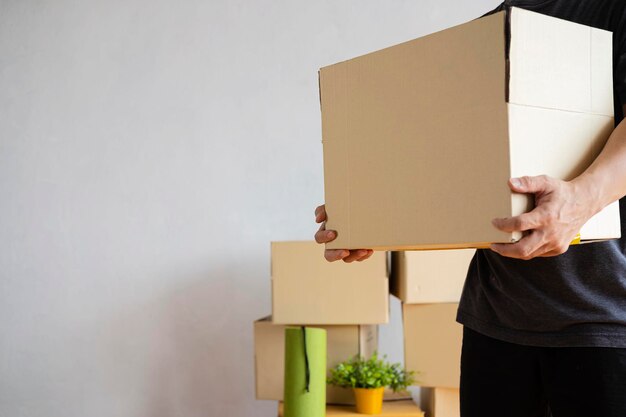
149,152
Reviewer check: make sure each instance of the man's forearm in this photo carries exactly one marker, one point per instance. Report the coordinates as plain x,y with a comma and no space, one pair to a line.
605,180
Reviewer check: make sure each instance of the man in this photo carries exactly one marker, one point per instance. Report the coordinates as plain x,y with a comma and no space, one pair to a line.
545,323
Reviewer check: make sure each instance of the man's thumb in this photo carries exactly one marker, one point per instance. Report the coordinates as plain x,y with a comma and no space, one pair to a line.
528,184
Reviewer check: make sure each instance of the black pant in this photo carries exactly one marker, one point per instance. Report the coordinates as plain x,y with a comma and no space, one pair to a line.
500,379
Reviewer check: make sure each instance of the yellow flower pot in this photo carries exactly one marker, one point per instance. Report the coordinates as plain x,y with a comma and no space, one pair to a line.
369,400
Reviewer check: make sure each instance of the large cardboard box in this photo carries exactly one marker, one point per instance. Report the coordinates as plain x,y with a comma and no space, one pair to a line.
440,402
269,354
307,289
429,276
432,343
421,138
405,408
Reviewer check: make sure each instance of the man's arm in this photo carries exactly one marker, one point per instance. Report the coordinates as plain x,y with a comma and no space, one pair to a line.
562,207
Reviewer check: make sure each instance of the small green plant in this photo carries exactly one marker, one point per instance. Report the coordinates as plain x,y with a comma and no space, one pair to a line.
359,372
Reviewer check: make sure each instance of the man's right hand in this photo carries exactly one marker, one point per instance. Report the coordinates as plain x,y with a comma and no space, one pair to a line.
325,236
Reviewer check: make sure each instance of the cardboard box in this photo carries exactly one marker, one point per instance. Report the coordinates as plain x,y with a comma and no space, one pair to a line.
421,138
429,276
269,354
406,408
432,344
307,289
440,402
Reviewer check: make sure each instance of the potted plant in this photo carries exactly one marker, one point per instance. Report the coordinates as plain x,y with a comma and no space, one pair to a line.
368,379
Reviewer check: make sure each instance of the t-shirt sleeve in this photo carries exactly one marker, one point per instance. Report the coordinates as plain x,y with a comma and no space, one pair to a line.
619,56
496,10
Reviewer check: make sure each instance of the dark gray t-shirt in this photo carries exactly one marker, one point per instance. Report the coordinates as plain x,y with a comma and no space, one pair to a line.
575,299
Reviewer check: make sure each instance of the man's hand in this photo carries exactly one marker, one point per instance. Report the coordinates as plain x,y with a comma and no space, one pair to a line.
561,208
325,236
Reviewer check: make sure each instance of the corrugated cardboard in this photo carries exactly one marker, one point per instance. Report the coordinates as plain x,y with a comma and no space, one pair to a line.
406,408
307,289
269,351
421,138
432,343
440,402
429,276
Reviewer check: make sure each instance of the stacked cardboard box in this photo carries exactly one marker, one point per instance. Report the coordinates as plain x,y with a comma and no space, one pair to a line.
441,402
429,284
348,300
343,343
307,290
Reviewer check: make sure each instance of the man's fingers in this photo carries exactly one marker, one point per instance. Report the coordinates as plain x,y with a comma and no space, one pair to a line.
546,223
320,213
551,253
348,256
529,185
333,255
521,223
325,236
556,250
526,248
369,254
355,255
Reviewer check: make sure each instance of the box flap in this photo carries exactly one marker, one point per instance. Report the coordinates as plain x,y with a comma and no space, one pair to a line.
558,143
559,64
440,402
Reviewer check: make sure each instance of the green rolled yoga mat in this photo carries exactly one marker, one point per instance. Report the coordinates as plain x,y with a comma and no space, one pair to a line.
305,372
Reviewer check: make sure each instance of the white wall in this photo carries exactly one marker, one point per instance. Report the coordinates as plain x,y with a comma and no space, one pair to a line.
149,151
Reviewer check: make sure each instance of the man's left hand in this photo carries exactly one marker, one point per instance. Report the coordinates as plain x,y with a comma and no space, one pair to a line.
560,211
